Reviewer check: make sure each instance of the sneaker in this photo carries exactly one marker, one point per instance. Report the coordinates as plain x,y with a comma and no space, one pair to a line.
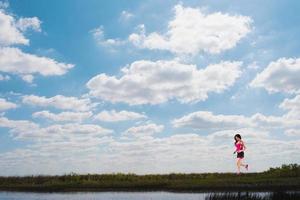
246,167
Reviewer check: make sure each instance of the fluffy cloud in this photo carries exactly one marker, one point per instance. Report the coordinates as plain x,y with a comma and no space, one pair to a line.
148,82
204,120
13,60
5,105
144,130
58,101
61,142
63,116
207,120
18,126
71,128
273,122
24,129
280,76
11,30
115,116
99,37
29,23
28,78
192,31
292,106
9,33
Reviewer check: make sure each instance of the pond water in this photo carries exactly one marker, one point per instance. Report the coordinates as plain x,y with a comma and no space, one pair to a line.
147,196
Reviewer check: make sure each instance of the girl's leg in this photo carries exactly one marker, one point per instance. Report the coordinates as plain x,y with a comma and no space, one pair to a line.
244,165
238,165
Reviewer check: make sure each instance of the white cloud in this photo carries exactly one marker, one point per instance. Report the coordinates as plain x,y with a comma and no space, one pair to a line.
126,15
23,129
249,133
191,31
28,78
110,43
292,106
13,60
273,122
115,116
26,23
58,101
98,35
63,116
9,33
292,132
5,105
207,120
4,77
18,126
280,76
62,143
204,120
144,130
148,82
74,128
11,30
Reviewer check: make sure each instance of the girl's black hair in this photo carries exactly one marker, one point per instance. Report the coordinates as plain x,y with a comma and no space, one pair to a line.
237,135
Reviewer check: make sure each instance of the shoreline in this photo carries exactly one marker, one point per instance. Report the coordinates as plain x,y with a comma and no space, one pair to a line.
146,191
200,189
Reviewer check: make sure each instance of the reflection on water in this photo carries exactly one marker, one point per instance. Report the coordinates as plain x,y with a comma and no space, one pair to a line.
149,196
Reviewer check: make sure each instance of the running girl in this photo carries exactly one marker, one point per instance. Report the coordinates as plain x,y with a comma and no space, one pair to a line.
240,148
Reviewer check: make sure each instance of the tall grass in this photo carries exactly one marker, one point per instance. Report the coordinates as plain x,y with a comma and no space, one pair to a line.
253,196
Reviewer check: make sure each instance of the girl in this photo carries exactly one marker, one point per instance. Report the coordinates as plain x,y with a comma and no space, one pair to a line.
240,148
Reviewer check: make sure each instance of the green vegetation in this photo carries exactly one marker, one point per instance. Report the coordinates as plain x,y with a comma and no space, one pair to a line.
286,177
249,196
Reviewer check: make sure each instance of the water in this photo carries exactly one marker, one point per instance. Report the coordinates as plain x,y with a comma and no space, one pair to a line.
102,196
146,196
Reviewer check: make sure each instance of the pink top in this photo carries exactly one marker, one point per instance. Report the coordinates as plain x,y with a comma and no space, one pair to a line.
239,146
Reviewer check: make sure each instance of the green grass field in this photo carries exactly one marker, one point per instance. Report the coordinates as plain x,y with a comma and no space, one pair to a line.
286,177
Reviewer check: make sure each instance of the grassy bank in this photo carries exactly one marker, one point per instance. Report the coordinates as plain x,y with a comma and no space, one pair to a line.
286,177
249,196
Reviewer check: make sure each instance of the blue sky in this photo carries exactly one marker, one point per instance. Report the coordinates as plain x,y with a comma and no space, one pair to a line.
148,86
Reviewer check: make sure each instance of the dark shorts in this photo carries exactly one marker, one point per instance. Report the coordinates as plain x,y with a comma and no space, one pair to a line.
240,155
